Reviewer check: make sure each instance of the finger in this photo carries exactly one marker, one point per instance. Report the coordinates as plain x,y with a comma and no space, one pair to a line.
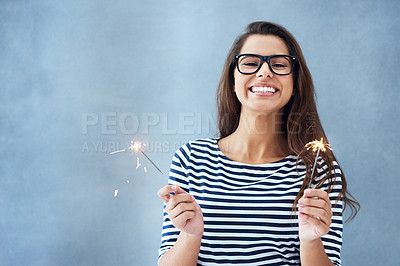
316,203
177,199
319,214
181,220
165,192
316,193
180,209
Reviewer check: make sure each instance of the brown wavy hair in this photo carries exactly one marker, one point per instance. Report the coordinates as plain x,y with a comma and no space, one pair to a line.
301,123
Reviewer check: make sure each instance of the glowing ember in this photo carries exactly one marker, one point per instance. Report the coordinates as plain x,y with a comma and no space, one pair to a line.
318,145
135,146
145,169
127,181
115,193
138,164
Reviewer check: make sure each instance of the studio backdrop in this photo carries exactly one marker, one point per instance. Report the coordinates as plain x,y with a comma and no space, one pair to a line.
80,80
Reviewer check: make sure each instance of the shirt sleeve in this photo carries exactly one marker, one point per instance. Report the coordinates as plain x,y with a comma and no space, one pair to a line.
177,176
333,240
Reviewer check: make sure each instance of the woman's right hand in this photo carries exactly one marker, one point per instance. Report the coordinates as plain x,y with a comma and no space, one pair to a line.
183,210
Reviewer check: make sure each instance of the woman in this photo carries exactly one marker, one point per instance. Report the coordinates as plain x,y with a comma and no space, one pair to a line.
243,198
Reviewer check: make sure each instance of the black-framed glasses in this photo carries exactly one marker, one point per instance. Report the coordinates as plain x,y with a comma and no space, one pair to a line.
279,64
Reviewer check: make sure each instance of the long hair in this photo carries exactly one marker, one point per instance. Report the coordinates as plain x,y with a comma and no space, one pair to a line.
301,123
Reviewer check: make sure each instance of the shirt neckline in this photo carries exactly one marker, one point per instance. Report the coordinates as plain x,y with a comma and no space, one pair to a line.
216,147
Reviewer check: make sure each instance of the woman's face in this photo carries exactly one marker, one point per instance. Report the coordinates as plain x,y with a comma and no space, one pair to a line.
263,91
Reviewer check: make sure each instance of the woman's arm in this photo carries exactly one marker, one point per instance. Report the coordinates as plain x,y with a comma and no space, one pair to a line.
185,214
184,252
313,253
315,213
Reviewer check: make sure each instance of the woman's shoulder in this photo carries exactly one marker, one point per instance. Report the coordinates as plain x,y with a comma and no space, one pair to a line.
209,143
202,145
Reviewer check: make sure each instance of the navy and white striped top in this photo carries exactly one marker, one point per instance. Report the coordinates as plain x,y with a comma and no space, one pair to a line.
247,209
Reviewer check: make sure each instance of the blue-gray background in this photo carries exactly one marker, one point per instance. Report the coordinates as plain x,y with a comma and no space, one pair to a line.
80,79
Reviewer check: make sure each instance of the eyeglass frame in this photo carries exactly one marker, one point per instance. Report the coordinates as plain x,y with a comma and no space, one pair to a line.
265,59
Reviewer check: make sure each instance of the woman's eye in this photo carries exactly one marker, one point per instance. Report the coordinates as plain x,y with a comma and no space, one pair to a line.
277,65
250,64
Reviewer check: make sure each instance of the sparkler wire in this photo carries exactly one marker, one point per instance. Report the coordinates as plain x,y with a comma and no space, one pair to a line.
140,149
313,169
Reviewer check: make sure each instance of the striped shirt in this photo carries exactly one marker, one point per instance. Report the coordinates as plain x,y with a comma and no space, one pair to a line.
247,209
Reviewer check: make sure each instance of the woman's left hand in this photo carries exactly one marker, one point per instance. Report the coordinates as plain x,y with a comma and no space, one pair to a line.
315,213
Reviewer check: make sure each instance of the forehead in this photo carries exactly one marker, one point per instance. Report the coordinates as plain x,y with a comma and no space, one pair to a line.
264,45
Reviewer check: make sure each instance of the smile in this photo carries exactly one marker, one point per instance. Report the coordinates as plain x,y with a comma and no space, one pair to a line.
266,90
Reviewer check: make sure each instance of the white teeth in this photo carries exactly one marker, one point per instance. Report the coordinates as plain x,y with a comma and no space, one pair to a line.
263,89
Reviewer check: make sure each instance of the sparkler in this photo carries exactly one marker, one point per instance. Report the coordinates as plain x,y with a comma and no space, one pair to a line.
316,146
136,147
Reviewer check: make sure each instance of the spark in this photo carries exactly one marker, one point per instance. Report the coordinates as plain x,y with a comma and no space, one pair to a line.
127,181
138,164
114,152
115,193
316,146
145,169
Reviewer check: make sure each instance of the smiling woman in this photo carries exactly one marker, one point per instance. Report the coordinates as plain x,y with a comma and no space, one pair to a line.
243,198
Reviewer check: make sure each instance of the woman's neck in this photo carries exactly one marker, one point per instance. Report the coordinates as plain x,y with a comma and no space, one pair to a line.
258,139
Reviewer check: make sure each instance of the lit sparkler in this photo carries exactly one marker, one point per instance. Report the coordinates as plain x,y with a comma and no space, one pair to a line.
136,147
316,146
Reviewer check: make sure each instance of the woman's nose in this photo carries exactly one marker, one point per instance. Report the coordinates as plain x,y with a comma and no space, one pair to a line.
264,71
